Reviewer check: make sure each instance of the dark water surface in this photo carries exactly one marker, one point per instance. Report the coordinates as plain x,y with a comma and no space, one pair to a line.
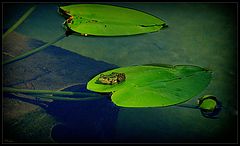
203,34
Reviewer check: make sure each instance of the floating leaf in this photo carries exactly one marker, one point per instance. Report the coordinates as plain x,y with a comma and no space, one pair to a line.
108,20
208,103
154,86
100,20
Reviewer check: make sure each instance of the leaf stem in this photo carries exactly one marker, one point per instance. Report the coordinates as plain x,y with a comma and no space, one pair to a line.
71,99
53,92
33,51
26,14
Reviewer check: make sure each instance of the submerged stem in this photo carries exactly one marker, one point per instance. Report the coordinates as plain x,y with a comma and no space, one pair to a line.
26,14
71,99
188,106
33,51
53,92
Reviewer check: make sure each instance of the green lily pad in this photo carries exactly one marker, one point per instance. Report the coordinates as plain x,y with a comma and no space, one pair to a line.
208,103
154,86
108,20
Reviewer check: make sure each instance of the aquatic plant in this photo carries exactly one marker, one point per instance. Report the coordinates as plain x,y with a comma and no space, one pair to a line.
154,86
209,106
108,20
20,20
55,95
100,20
143,85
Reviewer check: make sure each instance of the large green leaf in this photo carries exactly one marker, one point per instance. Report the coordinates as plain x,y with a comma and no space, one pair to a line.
154,86
108,20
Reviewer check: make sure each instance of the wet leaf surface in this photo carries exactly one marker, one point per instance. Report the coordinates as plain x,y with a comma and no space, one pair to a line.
109,20
154,86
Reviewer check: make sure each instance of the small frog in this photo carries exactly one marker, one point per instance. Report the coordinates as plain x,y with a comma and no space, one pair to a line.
113,78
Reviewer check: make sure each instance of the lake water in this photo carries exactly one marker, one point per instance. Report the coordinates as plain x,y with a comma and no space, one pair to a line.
202,34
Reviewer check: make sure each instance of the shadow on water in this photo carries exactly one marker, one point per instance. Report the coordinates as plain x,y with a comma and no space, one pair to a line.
79,121
84,121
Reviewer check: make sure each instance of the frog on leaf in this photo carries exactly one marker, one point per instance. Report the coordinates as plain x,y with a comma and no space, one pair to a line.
111,79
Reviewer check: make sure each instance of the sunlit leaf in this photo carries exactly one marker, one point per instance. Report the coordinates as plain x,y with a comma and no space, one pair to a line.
154,86
108,20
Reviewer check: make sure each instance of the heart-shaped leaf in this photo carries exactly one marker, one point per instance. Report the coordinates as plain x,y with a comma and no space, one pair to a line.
154,86
108,20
